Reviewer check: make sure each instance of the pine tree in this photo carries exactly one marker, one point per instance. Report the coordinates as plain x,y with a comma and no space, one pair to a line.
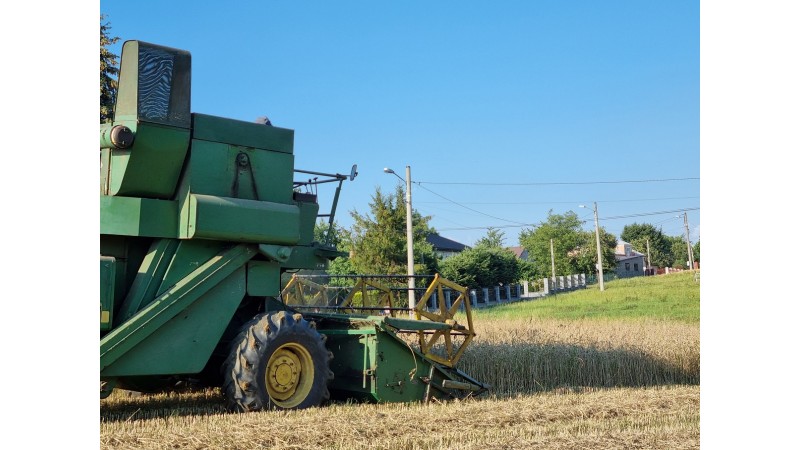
379,238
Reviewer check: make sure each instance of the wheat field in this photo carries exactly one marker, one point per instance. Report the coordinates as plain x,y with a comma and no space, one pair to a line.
531,355
556,384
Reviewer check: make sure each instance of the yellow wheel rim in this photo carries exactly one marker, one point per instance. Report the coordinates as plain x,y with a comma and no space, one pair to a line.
290,375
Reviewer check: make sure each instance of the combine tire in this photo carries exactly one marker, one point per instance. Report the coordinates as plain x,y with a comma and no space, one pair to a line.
278,361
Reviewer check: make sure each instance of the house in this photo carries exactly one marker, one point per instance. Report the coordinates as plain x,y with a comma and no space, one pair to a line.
630,263
444,247
520,252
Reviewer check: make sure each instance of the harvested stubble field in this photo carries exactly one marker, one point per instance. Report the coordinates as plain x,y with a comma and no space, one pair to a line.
614,418
591,382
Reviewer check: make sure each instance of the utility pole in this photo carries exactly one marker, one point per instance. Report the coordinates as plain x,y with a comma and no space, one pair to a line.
412,302
689,252
552,258
649,264
599,252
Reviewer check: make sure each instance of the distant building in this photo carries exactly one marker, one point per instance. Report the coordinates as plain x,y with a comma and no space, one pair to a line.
630,263
444,247
520,252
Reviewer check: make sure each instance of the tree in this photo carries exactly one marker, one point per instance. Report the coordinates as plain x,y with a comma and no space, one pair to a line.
108,72
341,266
487,264
379,238
679,252
584,258
660,246
494,239
339,237
482,266
527,270
696,251
341,240
575,249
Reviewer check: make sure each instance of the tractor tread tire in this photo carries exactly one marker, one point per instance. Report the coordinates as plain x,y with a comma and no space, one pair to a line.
244,369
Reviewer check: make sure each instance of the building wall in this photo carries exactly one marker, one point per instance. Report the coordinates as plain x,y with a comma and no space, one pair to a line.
631,267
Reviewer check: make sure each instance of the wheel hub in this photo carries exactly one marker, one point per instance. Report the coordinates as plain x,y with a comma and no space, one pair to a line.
289,376
284,373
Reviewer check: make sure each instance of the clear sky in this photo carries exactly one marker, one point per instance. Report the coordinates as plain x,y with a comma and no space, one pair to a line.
530,93
504,111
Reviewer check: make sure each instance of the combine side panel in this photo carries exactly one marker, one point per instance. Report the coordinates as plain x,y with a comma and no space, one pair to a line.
155,321
184,344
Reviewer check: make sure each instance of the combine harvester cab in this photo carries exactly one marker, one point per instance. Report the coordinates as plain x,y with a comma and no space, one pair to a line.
199,217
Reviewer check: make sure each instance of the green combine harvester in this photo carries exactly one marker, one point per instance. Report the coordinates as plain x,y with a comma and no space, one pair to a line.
200,216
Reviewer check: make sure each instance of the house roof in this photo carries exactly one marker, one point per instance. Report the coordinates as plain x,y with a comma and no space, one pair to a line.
518,251
443,244
621,243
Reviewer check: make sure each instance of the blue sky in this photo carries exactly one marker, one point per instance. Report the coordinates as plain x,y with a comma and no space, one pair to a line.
521,108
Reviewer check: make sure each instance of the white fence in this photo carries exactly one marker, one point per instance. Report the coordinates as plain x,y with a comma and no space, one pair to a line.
483,297
563,283
491,296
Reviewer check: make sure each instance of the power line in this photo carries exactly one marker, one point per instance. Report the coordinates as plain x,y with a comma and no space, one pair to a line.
659,180
441,217
491,226
656,213
568,202
665,221
650,214
467,207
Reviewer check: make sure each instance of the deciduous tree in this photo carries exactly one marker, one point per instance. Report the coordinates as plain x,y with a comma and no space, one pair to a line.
482,266
494,239
108,72
341,240
638,234
575,250
679,252
336,236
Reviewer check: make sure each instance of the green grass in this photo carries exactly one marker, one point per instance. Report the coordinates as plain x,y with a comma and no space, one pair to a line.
665,297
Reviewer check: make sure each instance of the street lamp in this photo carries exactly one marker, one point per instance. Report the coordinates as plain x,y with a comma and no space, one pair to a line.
409,238
599,252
